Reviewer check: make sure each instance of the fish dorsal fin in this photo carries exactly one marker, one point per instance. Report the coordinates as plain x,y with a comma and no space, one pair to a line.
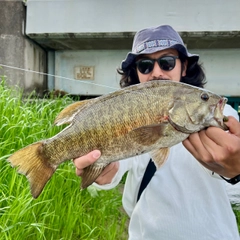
159,156
91,173
68,113
150,134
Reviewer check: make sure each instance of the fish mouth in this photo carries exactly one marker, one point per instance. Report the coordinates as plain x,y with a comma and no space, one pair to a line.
222,119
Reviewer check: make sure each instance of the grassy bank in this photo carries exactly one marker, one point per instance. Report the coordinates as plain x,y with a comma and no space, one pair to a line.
62,211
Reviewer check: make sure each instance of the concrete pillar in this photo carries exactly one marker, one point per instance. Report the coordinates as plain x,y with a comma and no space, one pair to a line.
17,50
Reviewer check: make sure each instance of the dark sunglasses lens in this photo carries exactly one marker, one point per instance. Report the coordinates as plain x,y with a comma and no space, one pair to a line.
166,63
145,66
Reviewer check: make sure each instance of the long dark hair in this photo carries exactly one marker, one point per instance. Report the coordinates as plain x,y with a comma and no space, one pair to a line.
194,75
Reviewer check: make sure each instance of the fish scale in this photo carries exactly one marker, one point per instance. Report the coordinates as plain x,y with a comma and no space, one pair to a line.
147,117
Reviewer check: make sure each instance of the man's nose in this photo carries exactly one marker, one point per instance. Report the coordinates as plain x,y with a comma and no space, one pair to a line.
157,71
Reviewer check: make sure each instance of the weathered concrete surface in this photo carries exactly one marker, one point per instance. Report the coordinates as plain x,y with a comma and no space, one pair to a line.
105,24
18,51
111,41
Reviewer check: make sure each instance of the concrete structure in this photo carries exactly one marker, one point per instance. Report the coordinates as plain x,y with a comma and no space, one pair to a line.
94,36
19,51
86,40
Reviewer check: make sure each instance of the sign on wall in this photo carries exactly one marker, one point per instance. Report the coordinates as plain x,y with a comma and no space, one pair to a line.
84,73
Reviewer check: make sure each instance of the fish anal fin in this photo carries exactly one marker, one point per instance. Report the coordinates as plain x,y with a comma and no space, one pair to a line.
90,174
150,134
159,156
67,114
31,162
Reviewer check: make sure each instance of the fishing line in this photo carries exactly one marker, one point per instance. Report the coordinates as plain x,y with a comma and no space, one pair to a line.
66,78
56,76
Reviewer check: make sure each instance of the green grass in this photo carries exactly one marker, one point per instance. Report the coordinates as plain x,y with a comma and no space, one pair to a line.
236,211
62,211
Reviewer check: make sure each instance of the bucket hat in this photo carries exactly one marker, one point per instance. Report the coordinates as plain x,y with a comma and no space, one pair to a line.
154,39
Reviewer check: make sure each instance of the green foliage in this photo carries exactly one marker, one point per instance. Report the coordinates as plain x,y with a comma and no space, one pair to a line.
62,211
236,211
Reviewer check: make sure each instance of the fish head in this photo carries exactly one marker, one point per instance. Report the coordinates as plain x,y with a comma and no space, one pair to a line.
194,109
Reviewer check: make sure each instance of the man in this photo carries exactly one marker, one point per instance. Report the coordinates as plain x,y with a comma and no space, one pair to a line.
186,198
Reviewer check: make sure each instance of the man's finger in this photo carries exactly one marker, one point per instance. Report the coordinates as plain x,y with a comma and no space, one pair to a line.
233,125
87,160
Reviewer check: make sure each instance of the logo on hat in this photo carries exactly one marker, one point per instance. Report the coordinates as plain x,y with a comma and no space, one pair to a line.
155,43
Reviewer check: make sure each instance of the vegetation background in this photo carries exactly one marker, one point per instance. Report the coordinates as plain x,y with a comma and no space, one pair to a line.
62,211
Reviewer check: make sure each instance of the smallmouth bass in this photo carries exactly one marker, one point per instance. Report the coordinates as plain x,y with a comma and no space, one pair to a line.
147,117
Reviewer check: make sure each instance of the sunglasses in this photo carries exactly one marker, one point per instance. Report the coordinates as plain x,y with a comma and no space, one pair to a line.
166,63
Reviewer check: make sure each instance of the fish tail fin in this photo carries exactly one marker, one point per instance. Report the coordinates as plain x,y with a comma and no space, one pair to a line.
30,161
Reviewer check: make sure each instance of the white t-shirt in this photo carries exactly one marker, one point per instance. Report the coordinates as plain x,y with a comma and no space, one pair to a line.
182,201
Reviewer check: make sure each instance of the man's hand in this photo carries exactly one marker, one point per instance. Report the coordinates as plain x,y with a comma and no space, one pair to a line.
217,150
107,174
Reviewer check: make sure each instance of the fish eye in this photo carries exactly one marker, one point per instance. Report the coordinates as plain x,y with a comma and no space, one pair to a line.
204,97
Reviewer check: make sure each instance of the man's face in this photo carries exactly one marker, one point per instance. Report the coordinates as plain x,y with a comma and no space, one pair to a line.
157,73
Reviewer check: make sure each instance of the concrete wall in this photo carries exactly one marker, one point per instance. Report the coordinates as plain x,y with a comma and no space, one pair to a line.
98,34
221,67
19,51
74,16
111,24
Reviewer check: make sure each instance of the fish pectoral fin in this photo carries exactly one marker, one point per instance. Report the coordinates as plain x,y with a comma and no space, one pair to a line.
30,162
148,135
67,114
159,156
90,174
